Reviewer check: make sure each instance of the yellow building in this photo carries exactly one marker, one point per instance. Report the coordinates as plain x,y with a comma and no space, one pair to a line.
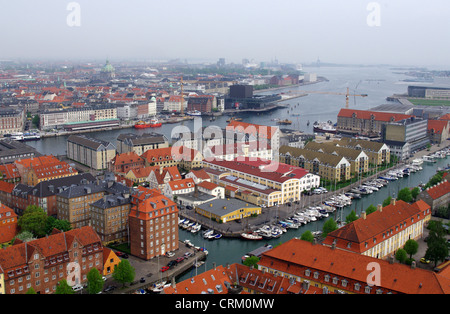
328,166
224,210
110,261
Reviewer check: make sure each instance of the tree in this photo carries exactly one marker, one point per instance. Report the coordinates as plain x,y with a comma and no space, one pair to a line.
415,192
400,255
63,288
351,217
371,209
31,291
36,121
411,247
25,236
251,260
437,244
34,220
387,201
124,272
329,226
405,195
53,223
95,281
307,236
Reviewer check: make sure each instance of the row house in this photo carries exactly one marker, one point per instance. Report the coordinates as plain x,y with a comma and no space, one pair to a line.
37,169
183,186
329,270
44,193
161,176
359,161
122,163
8,224
153,223
41,264
173,156
384,231
328,166
109,217
73,203
378,153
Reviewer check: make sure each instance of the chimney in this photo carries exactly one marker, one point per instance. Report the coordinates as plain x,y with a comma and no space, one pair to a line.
305,285
393,201
363,215
174,285
380,208
413,265
391,259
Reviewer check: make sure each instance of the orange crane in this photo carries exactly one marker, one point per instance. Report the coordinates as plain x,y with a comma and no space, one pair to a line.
347,95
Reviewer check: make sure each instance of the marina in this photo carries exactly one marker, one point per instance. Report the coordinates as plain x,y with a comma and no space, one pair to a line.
230,250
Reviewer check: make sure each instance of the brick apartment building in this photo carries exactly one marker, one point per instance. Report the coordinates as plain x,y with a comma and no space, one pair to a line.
40,264
153,223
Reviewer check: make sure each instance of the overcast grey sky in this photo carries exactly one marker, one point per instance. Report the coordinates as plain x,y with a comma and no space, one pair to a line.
410,32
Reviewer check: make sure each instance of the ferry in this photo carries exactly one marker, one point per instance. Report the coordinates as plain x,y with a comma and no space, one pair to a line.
324,127
154,123
194,113
28,136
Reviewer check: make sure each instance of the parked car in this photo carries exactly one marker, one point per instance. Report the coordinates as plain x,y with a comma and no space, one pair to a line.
142,280
77,287
187,254
122,254
169,254
188,207
164,268
179,259
109,288
171,263
425,261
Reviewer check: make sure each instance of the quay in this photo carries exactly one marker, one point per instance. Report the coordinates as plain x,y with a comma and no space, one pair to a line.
147,273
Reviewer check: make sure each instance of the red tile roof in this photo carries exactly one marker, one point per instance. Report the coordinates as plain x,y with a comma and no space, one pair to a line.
437,126
439,190
296,256
262,131
367,115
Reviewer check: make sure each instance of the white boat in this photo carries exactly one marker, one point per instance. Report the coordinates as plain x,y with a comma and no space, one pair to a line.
196,228
251,236
428,159
417,162
198,264
207,233
194,113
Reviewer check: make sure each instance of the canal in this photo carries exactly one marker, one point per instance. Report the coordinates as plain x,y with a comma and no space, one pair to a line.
230,250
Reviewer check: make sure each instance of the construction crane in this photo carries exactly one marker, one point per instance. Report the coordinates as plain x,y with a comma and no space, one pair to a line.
181,98
347,95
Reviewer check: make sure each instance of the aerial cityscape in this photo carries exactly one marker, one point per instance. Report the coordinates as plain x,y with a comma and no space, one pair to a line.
162,156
